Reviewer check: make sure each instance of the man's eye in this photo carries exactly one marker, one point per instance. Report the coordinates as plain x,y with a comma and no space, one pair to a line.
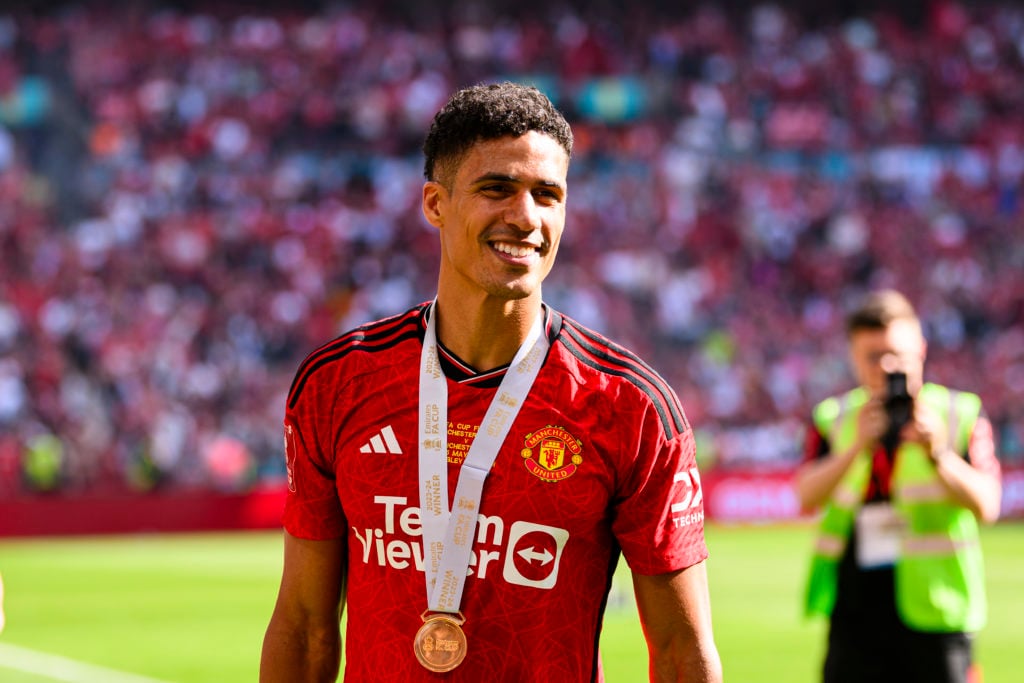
547,197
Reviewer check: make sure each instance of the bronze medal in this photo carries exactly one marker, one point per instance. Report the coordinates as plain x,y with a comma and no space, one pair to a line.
440,644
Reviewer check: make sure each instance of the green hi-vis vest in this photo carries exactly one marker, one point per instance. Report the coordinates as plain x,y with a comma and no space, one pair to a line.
939,574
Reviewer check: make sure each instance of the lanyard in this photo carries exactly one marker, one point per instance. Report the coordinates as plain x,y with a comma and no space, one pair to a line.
448,536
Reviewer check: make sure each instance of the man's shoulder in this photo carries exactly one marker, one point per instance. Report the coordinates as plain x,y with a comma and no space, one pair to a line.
590,352
829,410
950,392
966,404
369,342
845,400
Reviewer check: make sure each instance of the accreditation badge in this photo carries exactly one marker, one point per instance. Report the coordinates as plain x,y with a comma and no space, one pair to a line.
440,643
880,532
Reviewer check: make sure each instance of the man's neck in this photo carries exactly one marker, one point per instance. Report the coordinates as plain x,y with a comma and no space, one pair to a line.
485,335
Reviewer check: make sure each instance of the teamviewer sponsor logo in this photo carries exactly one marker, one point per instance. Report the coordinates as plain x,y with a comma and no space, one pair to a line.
534,552
527,554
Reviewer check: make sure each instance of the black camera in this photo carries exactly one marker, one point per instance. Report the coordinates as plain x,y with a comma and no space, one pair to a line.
899,407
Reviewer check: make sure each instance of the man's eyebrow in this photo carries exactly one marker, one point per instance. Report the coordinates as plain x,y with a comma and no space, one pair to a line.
505,178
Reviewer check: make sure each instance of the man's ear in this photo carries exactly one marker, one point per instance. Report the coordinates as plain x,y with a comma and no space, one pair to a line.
434,197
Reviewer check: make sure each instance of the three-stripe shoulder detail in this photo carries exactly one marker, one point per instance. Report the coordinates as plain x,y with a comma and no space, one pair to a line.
372,337
595,351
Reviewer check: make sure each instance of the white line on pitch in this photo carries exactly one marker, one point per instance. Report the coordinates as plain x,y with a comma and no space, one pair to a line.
61,668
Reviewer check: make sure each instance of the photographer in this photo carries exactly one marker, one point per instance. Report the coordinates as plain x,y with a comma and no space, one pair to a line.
905,470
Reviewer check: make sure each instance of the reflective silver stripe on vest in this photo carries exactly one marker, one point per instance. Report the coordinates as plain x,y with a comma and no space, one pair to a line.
923,493
953,423
844,403
842,496
830,545
935,544
846,497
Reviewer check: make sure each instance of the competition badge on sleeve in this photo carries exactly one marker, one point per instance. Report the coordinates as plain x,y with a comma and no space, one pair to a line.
289,455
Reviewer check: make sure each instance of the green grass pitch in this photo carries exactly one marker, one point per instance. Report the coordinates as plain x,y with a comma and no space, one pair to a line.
192,608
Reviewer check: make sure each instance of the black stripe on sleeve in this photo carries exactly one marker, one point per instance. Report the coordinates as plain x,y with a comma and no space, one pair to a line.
376,336
601,354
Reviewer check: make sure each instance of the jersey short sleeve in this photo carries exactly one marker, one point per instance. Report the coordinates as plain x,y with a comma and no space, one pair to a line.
327,405
659,522
816,444
312,509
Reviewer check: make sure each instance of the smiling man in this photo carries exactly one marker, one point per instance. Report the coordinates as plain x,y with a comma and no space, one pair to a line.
463,476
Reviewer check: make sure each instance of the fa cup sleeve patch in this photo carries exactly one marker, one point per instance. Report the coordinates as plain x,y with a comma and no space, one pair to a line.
290,452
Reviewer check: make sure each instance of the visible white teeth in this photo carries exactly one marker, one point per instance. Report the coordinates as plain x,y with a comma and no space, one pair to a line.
513,250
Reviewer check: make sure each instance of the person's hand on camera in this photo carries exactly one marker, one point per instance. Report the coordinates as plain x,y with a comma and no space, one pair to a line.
928,429
871,423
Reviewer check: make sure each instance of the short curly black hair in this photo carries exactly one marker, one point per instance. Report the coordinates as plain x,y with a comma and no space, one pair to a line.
486,112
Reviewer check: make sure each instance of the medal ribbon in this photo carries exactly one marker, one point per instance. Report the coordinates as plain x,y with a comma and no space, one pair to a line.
448,535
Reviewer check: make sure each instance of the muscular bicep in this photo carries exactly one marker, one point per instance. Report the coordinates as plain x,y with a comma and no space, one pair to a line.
303,640
675,611
313,580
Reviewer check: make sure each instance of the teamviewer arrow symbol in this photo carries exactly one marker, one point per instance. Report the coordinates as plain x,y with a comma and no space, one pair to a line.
530,554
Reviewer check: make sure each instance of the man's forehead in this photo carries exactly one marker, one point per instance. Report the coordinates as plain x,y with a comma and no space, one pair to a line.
898,334
510,155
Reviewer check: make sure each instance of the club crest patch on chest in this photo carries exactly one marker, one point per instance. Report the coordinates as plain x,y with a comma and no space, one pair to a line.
552,454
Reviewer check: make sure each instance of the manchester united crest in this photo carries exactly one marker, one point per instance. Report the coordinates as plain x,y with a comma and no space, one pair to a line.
552,454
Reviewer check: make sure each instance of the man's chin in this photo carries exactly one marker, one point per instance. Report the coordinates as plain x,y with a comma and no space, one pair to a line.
513,291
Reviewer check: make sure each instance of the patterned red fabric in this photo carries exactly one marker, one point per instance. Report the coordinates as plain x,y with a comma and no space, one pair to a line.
600,457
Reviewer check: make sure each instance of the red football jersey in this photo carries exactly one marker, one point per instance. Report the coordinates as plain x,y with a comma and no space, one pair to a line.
600,458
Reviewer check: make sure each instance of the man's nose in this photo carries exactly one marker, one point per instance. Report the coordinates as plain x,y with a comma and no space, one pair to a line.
522,212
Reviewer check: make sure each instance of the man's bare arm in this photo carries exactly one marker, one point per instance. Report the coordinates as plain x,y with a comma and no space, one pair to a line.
303,640
675,611
978,491
815,481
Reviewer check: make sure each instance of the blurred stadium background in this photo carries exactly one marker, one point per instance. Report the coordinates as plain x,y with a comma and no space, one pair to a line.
194,195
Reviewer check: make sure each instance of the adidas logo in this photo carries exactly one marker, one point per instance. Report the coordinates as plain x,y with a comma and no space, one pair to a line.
382,442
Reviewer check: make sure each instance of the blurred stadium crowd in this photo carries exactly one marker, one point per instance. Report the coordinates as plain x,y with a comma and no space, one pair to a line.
193,199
